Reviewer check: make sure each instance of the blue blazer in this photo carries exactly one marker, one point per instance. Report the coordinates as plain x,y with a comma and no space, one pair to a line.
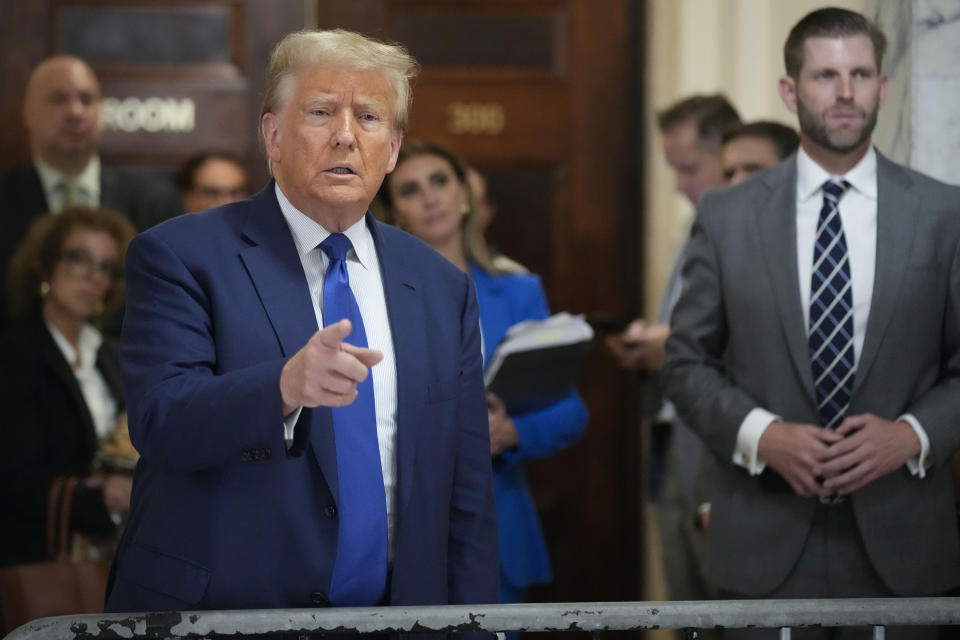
506,299
223,515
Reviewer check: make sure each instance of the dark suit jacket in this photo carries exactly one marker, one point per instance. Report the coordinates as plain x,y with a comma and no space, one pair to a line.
738,342
506,299
145,202
223,515
46,431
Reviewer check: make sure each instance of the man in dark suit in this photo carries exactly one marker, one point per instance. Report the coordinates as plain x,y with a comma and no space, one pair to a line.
61,112
816,349
282,465
691,139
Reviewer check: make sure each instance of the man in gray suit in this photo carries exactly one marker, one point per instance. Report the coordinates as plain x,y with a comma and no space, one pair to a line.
816,348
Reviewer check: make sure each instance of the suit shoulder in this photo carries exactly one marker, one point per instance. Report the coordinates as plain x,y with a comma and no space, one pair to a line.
433,271
417,252
18,179
208,223
931,186
195,237
728,201
19,346
736,202
17,173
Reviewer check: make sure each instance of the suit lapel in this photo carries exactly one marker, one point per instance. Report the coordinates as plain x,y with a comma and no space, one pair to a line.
402,289
274,267
495,313
61,369
108,363
776,216
896,208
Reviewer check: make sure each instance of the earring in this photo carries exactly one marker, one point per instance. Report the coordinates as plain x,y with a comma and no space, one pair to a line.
464,208
44,289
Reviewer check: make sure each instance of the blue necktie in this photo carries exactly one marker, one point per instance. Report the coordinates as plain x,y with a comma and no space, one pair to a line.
831,312
360,568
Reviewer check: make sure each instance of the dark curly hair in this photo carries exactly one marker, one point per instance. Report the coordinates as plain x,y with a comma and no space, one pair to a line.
40,251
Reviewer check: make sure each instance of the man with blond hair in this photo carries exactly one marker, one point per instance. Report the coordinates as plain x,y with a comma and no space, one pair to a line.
304,383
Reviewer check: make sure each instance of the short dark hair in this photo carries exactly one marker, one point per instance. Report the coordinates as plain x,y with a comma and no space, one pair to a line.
713,114
783,138
38,254
831,22
186,176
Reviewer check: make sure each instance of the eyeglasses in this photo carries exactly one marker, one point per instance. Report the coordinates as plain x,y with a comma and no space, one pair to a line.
81,263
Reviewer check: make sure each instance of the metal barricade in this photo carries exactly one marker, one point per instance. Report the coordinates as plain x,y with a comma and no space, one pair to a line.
572,616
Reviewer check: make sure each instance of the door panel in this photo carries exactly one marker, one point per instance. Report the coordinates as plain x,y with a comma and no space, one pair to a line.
540,95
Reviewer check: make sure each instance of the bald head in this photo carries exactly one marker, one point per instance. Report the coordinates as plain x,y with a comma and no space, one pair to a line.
61,111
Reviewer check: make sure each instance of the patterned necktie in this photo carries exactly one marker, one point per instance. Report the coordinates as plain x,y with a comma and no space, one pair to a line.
360,568
831,312
74,193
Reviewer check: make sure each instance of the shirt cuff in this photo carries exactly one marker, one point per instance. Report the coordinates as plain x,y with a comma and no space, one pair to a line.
748,440
288,425
918,466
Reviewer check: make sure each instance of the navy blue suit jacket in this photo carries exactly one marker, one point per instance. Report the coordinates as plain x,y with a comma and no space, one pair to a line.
223,515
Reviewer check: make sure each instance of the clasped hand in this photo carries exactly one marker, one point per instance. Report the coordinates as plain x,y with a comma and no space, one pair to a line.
820,462
326,371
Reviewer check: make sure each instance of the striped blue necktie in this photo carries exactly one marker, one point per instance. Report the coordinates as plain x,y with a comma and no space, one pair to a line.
831,312
360,568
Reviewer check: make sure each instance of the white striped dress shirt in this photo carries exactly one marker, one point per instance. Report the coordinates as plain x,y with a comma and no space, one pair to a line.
363,268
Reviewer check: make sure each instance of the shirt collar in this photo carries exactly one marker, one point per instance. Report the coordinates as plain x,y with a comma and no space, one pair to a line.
811,176
308,233
89,178
88,343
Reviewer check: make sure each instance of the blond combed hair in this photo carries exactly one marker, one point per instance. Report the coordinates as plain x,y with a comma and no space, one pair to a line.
346,49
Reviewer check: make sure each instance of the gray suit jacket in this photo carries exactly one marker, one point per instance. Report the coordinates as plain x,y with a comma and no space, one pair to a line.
738,342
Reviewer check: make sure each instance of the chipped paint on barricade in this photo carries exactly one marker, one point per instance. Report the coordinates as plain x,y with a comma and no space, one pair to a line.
576,616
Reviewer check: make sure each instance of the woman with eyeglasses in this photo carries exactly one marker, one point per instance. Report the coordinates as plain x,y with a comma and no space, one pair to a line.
60,391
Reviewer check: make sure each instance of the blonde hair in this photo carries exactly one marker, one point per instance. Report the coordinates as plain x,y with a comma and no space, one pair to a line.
341,48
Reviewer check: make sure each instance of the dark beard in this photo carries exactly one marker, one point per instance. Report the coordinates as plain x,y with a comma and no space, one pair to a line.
814,127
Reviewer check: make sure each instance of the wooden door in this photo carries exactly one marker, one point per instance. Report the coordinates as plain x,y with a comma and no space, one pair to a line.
177,76
543,97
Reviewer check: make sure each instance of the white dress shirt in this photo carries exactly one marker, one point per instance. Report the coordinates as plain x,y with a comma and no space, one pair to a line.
363,269
87,184
858,214
83,362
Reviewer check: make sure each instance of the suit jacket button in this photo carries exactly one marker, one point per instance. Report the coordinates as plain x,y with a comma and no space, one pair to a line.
330,511
319,599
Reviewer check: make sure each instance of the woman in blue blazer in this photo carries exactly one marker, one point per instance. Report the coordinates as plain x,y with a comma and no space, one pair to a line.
429,196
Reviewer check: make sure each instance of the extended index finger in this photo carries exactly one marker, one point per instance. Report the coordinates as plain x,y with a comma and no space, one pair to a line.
332,335
368,357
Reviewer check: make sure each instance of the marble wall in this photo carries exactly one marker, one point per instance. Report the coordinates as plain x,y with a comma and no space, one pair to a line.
920,124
